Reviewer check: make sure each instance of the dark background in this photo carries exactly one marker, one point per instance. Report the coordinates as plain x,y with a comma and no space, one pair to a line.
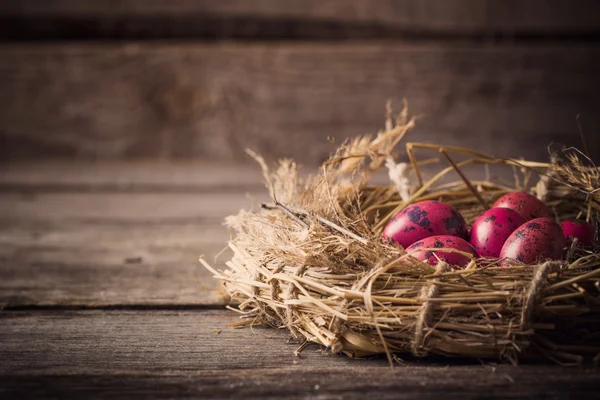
181,80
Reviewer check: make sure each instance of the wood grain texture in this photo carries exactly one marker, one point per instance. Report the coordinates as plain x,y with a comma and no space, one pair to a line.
103,264
157,341
111,248
194,354
420,15
127,176
115,101
144,208
460,383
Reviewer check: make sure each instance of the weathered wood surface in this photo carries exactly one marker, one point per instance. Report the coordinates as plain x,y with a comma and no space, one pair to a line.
412,382
305,18
107,249
195,101
143,208
195,354
94,235
120,243
140,176
95,264
118,341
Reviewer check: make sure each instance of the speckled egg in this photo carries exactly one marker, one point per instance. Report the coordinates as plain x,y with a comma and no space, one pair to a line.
528,206
438,242
424,219
492,228
536,240
583,231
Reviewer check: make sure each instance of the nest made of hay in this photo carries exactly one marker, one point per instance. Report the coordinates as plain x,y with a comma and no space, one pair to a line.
314,262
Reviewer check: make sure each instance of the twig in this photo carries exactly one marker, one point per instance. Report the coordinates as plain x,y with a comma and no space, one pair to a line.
286,211
334,226
413,162
582,136
464,178
265,171
301,348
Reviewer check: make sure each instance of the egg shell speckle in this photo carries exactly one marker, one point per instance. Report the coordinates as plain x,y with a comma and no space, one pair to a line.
528,206
536,240
490,230
583,231
442,241
422,220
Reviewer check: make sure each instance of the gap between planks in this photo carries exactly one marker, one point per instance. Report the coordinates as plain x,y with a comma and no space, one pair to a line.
422,16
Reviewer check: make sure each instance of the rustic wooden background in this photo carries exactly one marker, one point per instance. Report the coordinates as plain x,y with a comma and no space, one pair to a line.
122,131
205,79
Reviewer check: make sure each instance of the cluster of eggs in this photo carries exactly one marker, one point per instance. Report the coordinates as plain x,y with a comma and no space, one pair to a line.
517,229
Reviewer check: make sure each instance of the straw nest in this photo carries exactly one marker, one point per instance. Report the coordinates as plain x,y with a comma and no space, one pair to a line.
313,261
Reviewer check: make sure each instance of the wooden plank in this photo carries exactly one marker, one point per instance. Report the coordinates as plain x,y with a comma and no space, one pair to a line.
148,208
194,354
140,176
211,101
460,383
119,341
96,265
422,16
100,249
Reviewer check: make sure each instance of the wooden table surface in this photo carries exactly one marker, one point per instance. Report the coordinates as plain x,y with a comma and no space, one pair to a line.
101,296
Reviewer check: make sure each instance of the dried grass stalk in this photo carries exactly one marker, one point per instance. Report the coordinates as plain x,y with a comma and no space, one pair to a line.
313,261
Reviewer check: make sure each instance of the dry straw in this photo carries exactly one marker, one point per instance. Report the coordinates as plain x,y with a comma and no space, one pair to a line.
313,261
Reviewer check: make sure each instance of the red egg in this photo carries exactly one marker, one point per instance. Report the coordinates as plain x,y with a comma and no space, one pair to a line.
492,228
528,206
424,219
583,231
536,240
438,242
